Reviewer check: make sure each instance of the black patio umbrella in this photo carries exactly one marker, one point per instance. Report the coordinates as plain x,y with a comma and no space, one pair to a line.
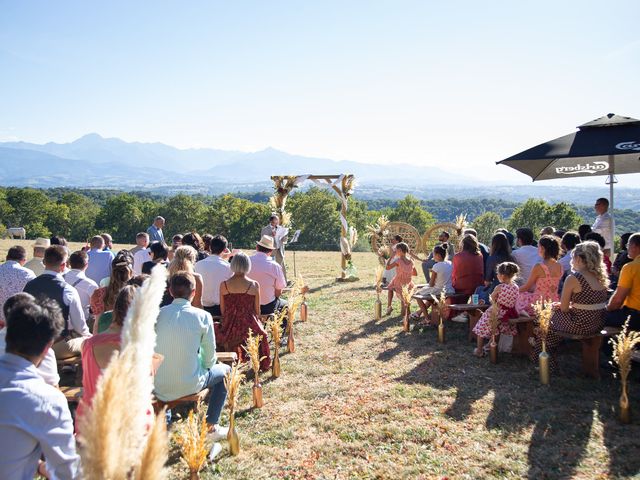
606,146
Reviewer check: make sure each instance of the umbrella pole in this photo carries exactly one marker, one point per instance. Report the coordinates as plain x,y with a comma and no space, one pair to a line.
612,180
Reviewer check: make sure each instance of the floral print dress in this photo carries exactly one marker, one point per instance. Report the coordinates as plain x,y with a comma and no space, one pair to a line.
506,301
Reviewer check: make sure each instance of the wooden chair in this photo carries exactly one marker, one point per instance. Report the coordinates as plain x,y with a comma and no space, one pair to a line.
72,394
187,399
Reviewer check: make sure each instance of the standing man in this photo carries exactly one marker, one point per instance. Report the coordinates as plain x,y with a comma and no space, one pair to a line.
273,230
155,230
604,224
51,285
35,264
35,420
13,275
214,270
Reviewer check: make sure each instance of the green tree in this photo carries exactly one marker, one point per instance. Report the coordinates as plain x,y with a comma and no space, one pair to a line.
410,211
122,217
486,224
315,213
537,214
29,209
183,213
239,220
58,219
83,213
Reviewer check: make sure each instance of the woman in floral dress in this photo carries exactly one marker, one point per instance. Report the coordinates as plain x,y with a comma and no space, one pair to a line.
582,309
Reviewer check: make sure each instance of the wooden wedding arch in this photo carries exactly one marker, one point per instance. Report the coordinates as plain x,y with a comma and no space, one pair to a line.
342,185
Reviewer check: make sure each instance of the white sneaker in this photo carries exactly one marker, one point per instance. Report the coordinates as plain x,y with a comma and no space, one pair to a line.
461,318
215,451
220,433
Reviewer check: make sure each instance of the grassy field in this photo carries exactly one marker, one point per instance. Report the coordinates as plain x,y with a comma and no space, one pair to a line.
362,399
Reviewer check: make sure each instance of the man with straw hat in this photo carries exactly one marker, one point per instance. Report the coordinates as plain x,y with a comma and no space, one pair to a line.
269,275
35,264
276,231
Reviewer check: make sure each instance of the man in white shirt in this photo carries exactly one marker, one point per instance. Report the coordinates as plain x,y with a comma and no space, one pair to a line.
35,264
78,261
604,224
99,260
214,270
51,285
269,276
34,419
569,242
526,255
13,275
142,242
142,256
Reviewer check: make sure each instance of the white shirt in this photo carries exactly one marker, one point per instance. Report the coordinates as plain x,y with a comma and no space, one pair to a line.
71,299
526,257
48,368
214,270
269,276
443,277
34,421
140,257
604,225
85,287
565,261
13,278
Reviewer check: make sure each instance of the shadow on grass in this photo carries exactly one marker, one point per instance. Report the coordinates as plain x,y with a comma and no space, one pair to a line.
372,327
562,414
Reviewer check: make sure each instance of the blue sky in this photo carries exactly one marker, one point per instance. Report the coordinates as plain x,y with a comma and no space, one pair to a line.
451,84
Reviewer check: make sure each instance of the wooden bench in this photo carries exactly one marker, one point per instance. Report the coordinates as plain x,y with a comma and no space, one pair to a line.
227,357
524,325
591,348
187,399
72,394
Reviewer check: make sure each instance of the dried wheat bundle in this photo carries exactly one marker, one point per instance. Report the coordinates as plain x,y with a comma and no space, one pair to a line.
274,325
442,305
379,229
113,430
378,278
191,437
623,346
156,451
253,350
543,310
461,222
353,237
232,382
407,294
348,184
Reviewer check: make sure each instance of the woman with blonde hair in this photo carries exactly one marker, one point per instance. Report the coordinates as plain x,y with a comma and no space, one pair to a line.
583,304
184,259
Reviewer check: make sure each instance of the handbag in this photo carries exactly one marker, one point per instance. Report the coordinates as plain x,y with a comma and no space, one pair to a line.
505,343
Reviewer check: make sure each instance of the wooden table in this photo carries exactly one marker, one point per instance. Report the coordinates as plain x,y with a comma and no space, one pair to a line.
475,312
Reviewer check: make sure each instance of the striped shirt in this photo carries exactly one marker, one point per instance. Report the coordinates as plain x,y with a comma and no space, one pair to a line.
185,337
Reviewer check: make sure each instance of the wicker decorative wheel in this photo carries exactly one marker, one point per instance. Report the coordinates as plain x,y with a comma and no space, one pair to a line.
409,235
430,238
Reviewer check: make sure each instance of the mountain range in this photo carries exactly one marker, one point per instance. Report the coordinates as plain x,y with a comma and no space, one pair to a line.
93,161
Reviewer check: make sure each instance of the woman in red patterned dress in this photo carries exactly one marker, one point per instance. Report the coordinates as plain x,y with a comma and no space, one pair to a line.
240,307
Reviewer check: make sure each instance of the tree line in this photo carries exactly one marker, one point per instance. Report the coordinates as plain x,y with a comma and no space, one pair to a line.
78,214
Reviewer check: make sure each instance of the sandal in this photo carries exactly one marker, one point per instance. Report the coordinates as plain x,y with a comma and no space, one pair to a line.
479,355
389,310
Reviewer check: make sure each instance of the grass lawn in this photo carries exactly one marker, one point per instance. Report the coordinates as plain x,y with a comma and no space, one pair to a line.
362,399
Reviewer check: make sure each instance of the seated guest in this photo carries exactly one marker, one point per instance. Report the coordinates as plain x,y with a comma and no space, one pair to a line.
51,285
481,246
547,231
97,350
78,261
500,252
104,298
568,243
583,230
544,277
214,270
427,265
186,339
206,239
108,241
176,241
34,419
194,240
240,305
622,258
183,261
48,369
142,242
526,255
508,234
599,239
99,260
159,253
268,273
440,281
13,275
35,264
468,267
625,301
582,306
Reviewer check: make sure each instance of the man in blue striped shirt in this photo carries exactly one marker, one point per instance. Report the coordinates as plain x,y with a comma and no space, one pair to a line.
186,339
